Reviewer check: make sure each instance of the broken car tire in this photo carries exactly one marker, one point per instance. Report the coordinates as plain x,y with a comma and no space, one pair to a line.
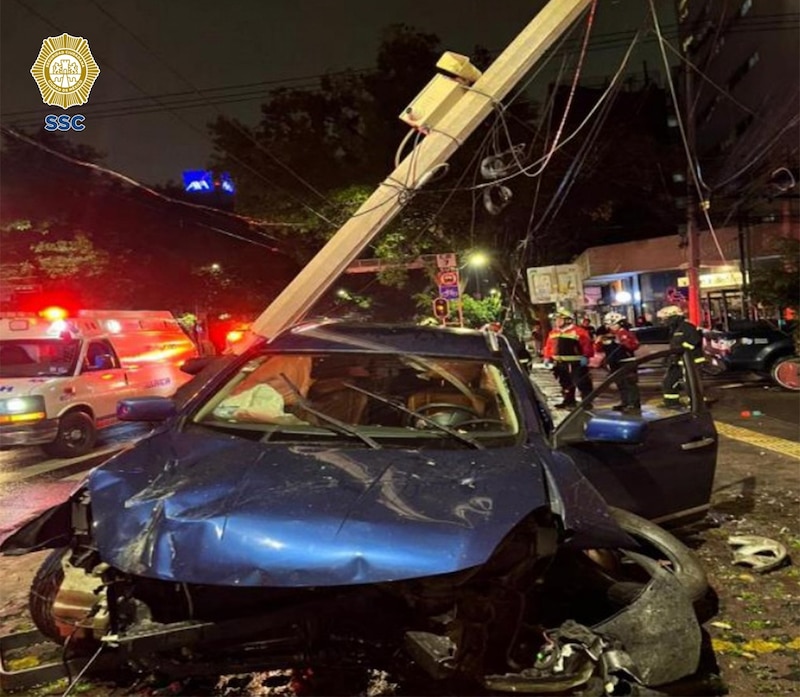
44,590
666,548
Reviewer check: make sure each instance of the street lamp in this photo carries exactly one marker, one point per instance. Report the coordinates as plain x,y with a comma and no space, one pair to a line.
476,261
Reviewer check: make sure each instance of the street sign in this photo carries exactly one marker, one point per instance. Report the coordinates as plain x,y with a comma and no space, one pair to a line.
449,292
448,284
446,261
448,278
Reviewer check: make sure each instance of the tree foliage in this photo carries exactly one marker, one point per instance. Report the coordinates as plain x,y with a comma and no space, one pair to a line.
73,233
775,283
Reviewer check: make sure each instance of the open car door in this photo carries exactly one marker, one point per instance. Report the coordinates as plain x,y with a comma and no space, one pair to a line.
659,463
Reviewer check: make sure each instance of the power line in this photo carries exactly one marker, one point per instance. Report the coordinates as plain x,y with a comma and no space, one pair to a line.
9,132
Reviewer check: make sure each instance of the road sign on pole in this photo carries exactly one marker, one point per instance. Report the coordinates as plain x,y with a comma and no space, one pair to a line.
446,261
448,285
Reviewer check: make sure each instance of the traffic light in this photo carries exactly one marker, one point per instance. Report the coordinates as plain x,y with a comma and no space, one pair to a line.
441,308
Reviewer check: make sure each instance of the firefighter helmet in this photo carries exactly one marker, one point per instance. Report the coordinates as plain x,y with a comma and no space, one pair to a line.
669,311
564,313
613,318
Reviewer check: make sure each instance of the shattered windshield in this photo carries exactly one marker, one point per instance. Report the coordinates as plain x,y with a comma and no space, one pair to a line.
25,358
380,400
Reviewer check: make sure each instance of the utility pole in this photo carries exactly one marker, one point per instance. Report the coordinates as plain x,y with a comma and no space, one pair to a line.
419,166
692,234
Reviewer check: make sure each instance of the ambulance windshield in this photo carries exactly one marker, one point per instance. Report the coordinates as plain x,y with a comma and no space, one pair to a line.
24,358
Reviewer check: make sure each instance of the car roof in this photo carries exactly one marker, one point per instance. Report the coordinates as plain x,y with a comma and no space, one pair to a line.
452,342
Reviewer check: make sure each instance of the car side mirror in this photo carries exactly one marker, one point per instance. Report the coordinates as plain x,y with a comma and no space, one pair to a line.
193,366
615,428
146,409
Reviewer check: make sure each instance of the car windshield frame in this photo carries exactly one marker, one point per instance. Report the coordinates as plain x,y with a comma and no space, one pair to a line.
315,395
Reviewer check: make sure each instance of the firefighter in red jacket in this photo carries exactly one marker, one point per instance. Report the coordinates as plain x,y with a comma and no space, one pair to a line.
618,344
567,350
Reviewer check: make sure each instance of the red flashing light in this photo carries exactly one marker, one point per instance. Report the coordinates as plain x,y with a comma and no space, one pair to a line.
53,313
233,336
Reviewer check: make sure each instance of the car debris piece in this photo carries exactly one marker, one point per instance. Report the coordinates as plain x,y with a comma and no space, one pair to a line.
759,553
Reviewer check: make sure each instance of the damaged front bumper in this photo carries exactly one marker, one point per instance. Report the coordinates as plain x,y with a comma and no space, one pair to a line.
653,641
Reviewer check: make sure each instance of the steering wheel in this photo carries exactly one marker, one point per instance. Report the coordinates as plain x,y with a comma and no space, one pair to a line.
447,414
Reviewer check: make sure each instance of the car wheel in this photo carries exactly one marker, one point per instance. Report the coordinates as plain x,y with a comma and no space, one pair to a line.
660,545
44,588
76,436
785,373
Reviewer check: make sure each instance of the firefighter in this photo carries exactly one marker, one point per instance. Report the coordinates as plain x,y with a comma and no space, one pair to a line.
619,345
567,350
685,336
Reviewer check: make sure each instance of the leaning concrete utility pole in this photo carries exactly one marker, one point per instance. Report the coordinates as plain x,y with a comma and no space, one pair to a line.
465,111
692,233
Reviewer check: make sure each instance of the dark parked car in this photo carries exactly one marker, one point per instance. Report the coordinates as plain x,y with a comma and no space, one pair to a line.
758,347
351,496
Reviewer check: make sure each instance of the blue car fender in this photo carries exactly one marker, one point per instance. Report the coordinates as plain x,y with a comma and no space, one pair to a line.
586,518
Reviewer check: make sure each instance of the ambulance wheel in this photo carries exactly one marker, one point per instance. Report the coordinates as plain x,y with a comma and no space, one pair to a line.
76,436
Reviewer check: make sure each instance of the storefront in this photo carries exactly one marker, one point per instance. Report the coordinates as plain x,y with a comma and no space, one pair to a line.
639,278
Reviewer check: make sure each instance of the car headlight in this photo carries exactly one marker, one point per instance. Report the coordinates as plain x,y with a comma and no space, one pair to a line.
16,409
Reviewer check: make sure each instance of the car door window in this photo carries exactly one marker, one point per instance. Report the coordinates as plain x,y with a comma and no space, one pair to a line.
99,356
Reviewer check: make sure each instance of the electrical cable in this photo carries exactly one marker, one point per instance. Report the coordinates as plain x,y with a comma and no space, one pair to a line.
539,164
687,149
116,175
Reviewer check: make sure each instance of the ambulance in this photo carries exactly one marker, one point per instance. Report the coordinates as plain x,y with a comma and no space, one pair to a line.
61,376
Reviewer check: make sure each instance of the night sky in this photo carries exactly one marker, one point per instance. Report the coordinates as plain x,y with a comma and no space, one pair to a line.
154,53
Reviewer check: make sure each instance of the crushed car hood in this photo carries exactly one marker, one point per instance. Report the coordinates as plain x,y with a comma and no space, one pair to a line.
204,509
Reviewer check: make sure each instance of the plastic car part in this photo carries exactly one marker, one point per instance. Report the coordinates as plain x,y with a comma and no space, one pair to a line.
759,553
659,630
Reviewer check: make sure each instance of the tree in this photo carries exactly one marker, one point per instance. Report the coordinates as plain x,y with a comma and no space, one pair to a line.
72,231
775,282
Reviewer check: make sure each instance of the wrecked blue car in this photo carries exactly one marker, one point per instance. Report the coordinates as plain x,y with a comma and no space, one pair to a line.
351,495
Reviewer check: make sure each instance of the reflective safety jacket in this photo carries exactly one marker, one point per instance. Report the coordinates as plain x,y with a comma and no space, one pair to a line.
568,344
618,345
689,338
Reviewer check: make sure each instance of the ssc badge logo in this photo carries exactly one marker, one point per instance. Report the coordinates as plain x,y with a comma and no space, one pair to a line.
65,71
